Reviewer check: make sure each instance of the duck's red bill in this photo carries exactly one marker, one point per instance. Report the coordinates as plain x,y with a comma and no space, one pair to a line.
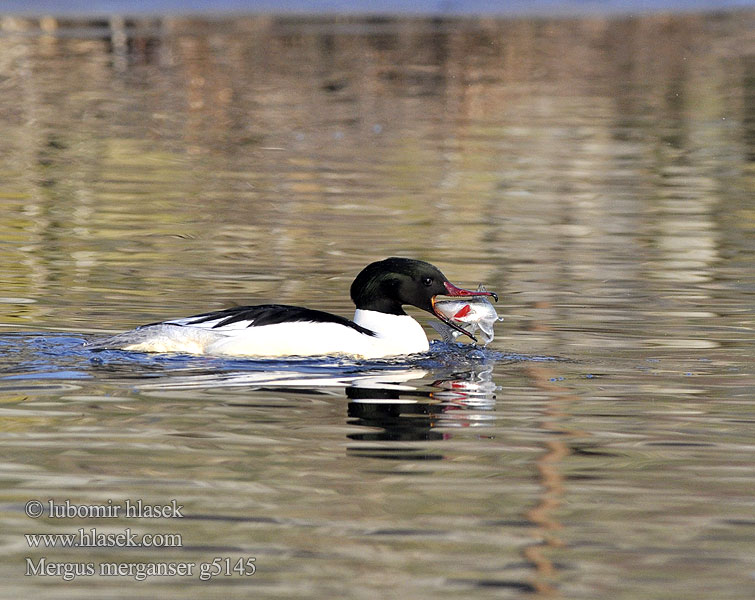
456,291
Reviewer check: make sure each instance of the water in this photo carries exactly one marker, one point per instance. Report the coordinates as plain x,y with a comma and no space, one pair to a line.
596,173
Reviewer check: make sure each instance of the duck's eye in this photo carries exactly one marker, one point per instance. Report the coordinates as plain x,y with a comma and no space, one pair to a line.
428,281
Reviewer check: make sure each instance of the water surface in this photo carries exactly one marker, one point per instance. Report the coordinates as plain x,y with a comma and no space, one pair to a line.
597,173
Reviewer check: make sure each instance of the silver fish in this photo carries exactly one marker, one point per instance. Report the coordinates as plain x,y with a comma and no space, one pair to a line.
470,315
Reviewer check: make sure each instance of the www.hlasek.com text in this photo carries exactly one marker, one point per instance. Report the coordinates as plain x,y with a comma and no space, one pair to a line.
91,538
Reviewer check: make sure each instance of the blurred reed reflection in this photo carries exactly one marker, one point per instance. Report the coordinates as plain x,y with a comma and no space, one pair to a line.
188,162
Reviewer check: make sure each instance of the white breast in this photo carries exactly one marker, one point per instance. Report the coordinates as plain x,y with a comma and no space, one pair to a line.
396,334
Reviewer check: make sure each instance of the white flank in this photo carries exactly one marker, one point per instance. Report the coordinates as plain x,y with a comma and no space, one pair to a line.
395,335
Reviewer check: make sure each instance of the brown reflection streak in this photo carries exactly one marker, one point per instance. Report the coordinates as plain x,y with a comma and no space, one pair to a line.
542,515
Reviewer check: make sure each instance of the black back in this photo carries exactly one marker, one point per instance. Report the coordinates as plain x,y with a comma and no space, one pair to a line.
272,314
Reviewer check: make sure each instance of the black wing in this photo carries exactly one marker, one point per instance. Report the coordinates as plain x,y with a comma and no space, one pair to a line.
269,314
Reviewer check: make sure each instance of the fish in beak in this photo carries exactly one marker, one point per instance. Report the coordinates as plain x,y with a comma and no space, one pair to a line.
451,313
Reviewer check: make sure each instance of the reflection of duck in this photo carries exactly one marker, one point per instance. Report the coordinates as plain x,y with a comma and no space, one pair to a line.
396,413
380,326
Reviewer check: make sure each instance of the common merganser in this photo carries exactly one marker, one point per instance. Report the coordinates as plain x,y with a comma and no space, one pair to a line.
380,326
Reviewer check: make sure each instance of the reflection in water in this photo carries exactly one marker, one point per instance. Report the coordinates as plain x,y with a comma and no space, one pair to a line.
549,467
381,395
306,375
418,415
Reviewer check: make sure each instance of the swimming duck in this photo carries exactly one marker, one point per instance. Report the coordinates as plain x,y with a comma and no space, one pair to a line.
380,326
